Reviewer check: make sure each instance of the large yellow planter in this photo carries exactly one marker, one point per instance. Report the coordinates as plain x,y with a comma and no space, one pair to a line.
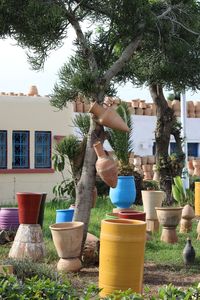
197,199
121,264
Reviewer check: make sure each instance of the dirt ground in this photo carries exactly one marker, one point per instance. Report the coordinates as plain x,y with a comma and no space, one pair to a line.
154,277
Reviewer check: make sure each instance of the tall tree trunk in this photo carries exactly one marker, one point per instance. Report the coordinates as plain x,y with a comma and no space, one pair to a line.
166,125
86,183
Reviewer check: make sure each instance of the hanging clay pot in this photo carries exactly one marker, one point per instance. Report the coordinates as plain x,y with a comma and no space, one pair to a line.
186,219
106,167
108,117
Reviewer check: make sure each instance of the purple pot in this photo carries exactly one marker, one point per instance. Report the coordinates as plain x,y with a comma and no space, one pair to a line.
9,219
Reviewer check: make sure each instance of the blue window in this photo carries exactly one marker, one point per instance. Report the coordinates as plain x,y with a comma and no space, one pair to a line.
42,149
3,149
20,141
192,149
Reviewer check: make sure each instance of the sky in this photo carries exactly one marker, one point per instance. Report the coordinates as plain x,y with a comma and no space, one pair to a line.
16,74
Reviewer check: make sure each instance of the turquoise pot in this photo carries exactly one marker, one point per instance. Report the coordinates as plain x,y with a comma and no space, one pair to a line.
64,215
124,194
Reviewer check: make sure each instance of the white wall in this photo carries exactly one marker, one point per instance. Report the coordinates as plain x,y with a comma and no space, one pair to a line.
30,113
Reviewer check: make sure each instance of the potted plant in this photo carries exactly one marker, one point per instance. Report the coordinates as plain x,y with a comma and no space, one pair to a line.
124,194
184,197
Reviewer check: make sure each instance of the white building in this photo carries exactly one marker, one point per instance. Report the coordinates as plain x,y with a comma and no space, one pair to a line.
29,129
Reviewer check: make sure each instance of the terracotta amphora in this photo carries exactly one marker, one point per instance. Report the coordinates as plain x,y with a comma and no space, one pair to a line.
106,166
108,117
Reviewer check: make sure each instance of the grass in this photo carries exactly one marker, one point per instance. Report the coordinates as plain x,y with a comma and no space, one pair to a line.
156,251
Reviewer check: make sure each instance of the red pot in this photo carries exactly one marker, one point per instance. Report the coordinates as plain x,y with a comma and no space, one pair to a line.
29,207
132,214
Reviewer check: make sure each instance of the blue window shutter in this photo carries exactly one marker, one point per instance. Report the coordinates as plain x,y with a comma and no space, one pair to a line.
42,149
20,147
3,149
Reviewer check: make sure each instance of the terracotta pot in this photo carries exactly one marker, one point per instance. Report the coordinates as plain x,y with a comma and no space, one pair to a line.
139,111
142,104
176,107
147,175
190,107
147,111
144,160
121,263
29,207
106,167
33,91
28,243
186,219
151,159
152,199
137,161
134,214
9,218
146,168
196,167
108,117
197,107
135,103
169,218
67,238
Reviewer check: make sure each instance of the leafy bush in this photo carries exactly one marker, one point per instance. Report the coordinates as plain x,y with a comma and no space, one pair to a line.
182,196
41,288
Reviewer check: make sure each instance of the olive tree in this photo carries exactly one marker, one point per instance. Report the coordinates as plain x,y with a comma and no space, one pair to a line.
108,33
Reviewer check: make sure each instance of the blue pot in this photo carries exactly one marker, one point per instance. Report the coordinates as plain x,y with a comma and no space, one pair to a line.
124,194
64,215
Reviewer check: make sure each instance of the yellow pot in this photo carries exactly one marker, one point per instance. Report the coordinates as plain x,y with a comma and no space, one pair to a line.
121,262
197,198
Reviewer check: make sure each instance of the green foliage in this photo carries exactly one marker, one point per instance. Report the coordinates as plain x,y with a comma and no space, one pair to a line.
150,185
69,147
66,186
121,142
82,121
41,288
181,195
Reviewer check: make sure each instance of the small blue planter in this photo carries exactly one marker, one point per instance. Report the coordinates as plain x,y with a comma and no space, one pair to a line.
124,194
64,215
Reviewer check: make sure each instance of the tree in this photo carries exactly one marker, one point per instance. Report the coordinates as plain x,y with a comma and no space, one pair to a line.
118,29
175,64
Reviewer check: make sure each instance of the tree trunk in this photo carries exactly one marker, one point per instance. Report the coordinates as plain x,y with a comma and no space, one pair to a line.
86,184
166,125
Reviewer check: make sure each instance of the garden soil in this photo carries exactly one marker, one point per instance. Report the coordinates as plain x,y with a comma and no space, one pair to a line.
154,277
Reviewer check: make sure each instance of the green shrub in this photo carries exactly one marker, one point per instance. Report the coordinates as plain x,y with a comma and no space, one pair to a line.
41,288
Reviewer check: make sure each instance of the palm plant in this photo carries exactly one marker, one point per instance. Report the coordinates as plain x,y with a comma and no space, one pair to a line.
121,142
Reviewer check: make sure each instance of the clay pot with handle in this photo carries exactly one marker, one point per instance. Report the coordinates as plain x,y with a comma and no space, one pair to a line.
108,117
106,166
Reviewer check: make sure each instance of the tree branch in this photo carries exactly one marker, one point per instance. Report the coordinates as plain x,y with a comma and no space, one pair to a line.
123,59
83,42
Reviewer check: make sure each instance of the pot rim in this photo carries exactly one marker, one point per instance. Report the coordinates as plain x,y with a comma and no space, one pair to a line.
169,208
124,222
65,225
